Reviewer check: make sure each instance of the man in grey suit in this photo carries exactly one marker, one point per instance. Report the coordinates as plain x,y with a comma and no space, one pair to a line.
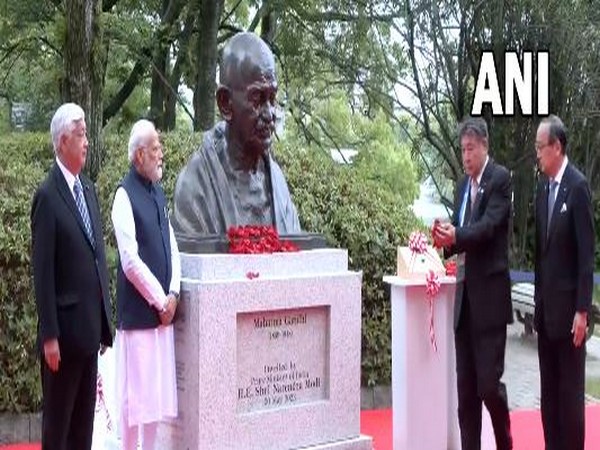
564,266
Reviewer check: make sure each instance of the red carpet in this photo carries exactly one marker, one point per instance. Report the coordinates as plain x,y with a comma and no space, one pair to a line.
526,426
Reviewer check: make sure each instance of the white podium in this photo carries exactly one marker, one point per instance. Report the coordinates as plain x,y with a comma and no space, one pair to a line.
423,381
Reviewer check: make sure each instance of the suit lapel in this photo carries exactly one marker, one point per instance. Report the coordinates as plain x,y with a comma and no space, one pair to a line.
91,204
67,196
485,177
561,196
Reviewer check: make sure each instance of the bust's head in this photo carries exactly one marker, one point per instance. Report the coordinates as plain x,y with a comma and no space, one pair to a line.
247,92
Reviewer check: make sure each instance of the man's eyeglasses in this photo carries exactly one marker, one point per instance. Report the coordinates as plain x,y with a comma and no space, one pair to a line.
539,147
155,148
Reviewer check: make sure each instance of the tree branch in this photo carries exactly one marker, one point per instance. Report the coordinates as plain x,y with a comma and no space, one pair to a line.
230,13
173,91
230,31
262,11
335,16
50,45
135,77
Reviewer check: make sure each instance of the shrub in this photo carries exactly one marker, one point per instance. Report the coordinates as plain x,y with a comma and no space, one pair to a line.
21,170
347,206
358,214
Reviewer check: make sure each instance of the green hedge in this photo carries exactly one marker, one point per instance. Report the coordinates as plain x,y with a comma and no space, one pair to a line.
21,169
355,213
352,211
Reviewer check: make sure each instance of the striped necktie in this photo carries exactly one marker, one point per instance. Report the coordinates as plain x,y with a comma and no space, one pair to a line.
82,207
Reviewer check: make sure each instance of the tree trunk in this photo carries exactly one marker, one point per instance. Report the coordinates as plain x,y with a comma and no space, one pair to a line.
182,58
170,101
268,27
158,71
204,92
157,89
84,68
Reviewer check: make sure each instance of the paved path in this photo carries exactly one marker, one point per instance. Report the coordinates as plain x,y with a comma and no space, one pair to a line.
521,374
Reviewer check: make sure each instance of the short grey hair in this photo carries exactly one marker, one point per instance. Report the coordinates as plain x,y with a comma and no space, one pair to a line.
140,132
63,120
474,126
557,131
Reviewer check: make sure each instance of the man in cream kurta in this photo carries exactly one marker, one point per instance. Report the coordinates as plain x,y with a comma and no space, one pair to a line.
148,280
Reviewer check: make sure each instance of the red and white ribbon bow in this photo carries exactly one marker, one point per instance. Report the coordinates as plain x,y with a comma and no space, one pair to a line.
101,402
431,290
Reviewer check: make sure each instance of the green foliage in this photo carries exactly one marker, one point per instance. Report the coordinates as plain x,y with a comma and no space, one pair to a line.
352,210
363,216
384,159
22,167
29,62
24,162
381,156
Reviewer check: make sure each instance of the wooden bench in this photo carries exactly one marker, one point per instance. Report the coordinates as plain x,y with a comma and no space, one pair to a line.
524,307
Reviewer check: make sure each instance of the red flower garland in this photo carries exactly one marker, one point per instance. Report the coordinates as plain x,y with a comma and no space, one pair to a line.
254,239
451,267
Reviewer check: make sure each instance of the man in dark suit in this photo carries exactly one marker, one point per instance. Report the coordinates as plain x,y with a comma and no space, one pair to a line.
479,235
564,266
71,287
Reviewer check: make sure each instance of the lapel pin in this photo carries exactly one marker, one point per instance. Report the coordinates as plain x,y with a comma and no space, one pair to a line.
563,208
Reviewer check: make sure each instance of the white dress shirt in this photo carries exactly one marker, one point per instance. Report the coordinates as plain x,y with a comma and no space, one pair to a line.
69,177
559,175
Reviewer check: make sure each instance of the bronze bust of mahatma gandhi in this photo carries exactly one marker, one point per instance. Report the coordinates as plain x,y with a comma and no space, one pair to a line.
232,179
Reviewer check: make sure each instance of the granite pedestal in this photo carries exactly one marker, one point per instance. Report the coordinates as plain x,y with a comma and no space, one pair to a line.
268,353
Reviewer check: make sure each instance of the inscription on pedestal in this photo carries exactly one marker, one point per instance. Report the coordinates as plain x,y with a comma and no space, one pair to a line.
282,358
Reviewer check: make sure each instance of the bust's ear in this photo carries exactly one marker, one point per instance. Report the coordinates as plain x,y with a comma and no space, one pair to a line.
224,102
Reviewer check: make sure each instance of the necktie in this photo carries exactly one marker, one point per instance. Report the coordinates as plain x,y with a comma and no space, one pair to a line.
474,187
82,207
551,199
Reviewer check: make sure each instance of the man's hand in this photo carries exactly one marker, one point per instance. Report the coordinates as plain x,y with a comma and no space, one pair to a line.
434,228
444,234
579,328
166,317
52,354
